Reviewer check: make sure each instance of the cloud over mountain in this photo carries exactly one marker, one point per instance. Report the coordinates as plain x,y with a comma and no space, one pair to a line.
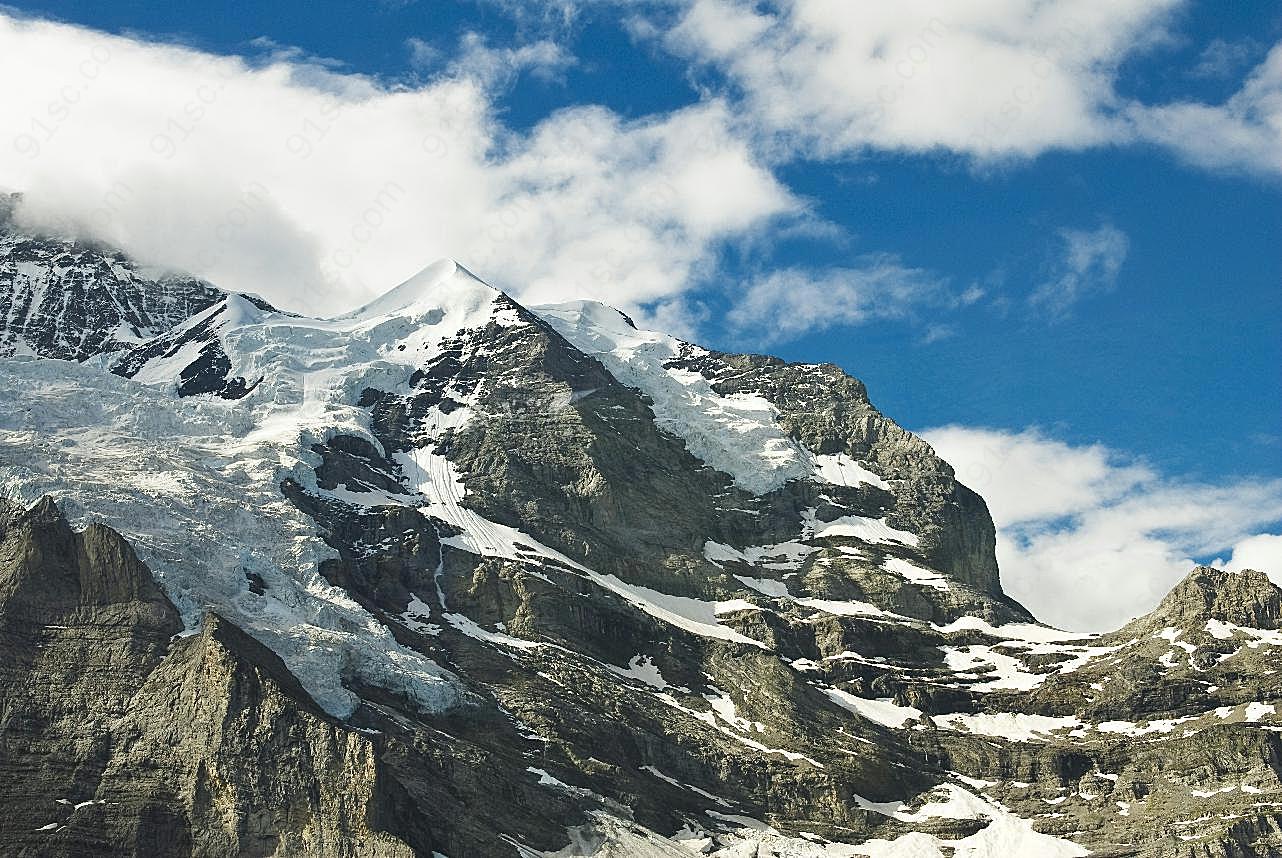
319,188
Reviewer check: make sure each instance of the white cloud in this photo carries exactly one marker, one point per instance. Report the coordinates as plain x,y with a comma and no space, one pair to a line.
320,189
500,66
423,54
1089,538
987,79
1220,59
543,15
625,212
786,304
1091,262
1262,552
1243,133
995,78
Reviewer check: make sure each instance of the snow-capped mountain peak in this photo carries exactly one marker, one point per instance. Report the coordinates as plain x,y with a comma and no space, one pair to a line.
443,286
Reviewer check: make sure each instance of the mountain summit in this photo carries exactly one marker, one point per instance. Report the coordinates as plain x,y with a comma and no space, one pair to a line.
1247,598
441,283
453,576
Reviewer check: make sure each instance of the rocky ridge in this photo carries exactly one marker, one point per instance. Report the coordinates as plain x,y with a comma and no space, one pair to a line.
76,299
454,576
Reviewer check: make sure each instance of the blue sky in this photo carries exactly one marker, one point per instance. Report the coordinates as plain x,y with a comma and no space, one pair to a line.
1099,266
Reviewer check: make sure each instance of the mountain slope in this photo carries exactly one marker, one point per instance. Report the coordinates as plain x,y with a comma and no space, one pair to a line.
546,579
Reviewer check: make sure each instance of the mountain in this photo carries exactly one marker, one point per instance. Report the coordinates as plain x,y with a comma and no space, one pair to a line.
453,576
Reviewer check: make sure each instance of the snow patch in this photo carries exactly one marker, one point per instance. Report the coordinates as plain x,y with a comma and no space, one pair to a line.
884,712
979,658
468,626
871,530
1011,631
1012,726
693,615
643,669
840,469
416,614
914,573
765,586
844,609
1225,631
1256,711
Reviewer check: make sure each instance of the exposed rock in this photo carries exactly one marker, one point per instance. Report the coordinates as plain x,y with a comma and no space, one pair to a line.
1246,598
72,300
119,739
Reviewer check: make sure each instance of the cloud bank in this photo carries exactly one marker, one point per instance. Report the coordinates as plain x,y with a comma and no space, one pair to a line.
320,189
1089,538
990,81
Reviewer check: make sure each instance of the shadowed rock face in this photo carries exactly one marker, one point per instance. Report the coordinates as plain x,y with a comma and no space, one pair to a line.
82,623
121,736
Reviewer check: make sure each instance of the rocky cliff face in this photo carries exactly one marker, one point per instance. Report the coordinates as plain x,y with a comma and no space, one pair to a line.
72,300
123,737
454,576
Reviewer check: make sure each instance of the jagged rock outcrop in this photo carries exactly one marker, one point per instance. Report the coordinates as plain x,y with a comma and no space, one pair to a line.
1246,598
827,411
1158,743
119,738
69,299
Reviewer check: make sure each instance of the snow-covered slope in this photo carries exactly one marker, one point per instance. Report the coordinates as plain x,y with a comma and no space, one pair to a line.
194,481
737,433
